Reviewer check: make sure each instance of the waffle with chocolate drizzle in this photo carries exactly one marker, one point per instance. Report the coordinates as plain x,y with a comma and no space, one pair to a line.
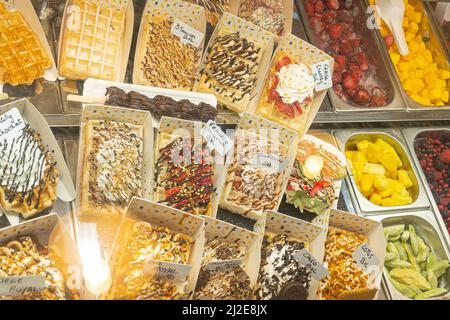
230,70
140,242
29,176
112,166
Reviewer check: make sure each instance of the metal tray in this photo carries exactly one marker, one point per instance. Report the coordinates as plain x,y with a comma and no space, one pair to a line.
395,139
426,226
384,73
438,44
411,135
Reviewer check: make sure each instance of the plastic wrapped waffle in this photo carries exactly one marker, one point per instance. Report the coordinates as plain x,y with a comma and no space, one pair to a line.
22,58
92,41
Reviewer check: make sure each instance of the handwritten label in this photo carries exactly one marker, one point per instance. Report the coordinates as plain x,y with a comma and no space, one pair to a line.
11,123
364,257
16,286
216,138
305,258
186,33
168,271
322,75
271,161
224,265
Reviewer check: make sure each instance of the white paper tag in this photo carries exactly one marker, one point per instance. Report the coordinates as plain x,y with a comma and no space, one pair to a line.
318,271
223,265
167,270
322,75
16,286
364,257
216,138
186,33
271,161
11,123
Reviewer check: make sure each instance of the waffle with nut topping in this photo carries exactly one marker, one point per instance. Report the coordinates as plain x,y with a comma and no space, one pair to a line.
112,166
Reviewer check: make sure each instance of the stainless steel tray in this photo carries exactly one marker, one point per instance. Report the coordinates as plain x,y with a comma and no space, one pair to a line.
426,226
410,135
395,139
384,72
438,44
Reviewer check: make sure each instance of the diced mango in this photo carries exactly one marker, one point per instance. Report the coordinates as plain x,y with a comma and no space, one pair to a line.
395,58
349,155
380,182
367,182
374,168
359,157
375,198
362,146
443,74
404,178
372,152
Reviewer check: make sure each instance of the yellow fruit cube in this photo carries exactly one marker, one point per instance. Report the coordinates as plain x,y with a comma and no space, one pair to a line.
405,22
395,57
400,200
409,37
403,66
349,155
362,146
367,182
392,174
409,9
421,62
380,183
387,202
359,157
445,96
404,178
375,198
435,94
419,74
430,78
372,152
443,74
374,168
416,16
428,56
396,186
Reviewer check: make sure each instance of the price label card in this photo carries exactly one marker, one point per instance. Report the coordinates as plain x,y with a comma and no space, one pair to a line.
364,257
271,161
216,138
322,75
318,271
16,286
186,33
167,270
11,123
224,265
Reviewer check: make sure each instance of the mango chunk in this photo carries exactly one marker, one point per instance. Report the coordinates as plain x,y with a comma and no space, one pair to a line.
404,178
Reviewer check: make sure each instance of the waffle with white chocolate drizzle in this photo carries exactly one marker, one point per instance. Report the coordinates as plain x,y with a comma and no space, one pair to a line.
230,71
112,166
29,176
184,185
24,257
249,189
143,242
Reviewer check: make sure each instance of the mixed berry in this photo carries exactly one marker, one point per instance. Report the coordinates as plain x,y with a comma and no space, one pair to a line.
434,158
354,77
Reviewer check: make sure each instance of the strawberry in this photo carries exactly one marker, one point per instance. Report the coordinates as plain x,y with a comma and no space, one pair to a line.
348,81
298,107
285,109
283,62
319,7
316,24
335,30
273,94
355,71
329,17
309,7
361,59
344,16
362,96
341,60
350,92
337,76
333,4
389,40
378,97
444,201
333,47
445,156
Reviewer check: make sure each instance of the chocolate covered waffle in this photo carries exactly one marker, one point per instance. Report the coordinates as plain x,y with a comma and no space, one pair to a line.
112,166
164,61
139,243
250,189
22,57
219,250
184,181
24,257
92,41
28,177
280,273
230,70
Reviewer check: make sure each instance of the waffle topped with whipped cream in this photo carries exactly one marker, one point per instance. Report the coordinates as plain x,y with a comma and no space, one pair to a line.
112,166
250,189
144,242
24,257
28,174
92,41
230,71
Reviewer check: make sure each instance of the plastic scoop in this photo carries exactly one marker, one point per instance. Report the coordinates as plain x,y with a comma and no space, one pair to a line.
392,13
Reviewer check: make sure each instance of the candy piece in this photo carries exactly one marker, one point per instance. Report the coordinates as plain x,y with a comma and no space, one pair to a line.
410,276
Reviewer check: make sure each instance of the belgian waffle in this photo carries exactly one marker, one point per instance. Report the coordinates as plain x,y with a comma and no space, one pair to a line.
29,176
92,41
213,9
22,58
230,71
